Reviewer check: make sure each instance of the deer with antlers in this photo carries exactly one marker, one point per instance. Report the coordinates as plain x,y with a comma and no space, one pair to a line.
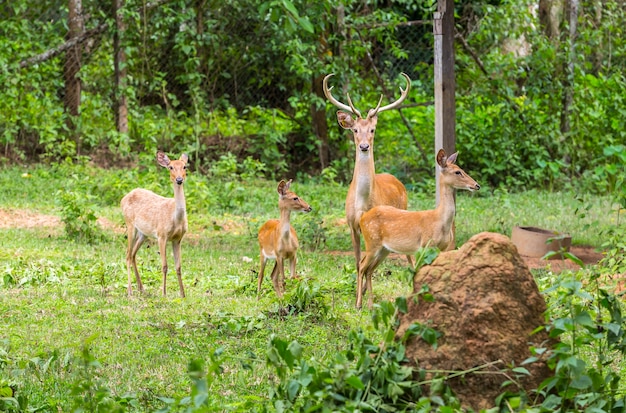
278,239
387,229
150,215
367,189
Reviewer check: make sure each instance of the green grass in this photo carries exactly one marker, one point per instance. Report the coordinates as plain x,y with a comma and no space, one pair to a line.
57,295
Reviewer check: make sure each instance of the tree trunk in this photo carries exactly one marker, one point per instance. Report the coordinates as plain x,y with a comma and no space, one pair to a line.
550,18
597,22
72,68
320,127
568,76
121,103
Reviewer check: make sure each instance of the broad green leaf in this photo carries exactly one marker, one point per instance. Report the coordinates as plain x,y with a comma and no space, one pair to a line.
355,382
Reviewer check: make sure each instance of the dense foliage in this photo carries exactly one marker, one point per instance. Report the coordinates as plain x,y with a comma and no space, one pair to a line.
242,77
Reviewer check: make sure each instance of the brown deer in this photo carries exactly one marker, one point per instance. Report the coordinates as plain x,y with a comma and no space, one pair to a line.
150,215
387,229
278,239
367,189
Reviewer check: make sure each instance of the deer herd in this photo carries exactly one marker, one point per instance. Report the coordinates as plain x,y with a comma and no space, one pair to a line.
376,207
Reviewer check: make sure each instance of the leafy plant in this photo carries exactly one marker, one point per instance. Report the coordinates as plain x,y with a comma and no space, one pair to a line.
79,217
585,318
201,398
364,377
306,298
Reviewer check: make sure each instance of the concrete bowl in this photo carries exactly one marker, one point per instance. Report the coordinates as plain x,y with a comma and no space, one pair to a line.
537,242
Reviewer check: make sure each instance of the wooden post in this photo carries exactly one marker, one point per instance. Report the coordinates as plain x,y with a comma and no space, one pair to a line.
119,63
71,69
445,112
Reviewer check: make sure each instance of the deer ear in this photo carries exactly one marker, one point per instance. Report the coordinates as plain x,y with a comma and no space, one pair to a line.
345,120
281,187
184,158
452,158
441,158
162,159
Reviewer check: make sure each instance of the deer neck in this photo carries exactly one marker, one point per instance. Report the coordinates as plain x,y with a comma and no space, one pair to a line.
179,201
363,178
284,225
446,209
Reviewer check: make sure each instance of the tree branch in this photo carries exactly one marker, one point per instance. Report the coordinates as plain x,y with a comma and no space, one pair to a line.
49,54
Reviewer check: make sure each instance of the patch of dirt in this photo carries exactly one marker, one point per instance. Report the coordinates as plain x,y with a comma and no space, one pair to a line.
110,225
20,218
23,218
588,255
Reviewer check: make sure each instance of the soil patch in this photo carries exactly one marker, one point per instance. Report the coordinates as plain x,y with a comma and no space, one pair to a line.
20,218
588,255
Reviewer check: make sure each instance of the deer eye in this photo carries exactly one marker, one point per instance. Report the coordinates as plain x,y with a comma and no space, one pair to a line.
355,130
372,131
458,173
171,168
295,198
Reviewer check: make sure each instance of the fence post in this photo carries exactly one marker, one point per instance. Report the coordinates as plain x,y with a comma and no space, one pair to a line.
119,62
72,67
445,112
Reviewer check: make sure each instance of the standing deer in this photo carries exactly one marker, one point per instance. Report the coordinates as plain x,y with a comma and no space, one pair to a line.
367,189
387,229
278,239
150,215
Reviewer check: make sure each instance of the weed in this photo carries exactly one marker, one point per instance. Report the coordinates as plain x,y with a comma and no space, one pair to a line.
78,215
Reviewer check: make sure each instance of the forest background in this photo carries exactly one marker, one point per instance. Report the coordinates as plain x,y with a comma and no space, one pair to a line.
540,85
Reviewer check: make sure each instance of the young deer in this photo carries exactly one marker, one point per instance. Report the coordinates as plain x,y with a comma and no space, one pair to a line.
278,239
367,189
387,229
150,215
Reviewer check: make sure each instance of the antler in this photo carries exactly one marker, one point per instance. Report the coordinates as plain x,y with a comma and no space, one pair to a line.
405,93
335,102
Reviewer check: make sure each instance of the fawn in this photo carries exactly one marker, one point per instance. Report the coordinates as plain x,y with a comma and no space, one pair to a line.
387,229
278,239
150,215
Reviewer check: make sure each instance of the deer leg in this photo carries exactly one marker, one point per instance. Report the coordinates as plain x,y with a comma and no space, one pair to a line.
281,275
359,285
275,275
163,252
177,265
356,246
260,280
370,262
135,240
131,239
292,267
410,260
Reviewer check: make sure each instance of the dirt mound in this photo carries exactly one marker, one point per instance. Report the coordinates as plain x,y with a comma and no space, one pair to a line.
486,305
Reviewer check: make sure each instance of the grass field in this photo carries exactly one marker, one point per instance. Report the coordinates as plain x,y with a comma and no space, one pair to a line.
59,297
